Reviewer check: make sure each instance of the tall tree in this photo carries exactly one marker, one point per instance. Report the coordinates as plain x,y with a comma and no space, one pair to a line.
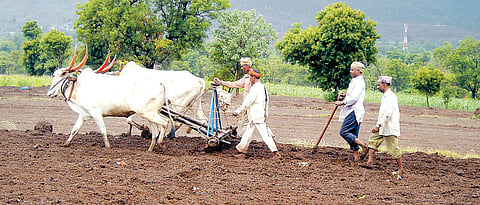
32,50
186,22
342,36
151,32
56,46
240,34
428,80
464,62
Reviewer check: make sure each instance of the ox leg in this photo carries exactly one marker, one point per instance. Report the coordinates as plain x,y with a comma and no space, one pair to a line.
160,141
98,118
74,131
130,122
145,131
158,126
154,128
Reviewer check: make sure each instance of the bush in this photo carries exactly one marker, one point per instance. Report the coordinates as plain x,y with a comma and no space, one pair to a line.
330,96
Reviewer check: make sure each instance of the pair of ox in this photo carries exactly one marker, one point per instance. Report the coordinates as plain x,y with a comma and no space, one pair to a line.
136,90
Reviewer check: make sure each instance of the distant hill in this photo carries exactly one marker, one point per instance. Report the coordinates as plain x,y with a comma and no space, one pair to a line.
430,22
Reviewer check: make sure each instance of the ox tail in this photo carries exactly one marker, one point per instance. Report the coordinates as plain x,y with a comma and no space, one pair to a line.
171,135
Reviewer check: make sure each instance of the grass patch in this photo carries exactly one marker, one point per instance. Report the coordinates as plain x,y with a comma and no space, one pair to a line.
445,153
22,80
371,96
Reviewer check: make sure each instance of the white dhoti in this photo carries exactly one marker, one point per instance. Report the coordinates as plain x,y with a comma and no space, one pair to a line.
248,137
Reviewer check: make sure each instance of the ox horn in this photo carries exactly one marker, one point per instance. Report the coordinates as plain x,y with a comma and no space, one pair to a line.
109,65
121,68
104,64
84,60
73,60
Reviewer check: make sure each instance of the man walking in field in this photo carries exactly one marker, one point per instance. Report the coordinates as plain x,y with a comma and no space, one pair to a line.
256,106
246,84
353,110
388,125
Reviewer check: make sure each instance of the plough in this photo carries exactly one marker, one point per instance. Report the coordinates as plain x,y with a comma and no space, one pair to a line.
212,130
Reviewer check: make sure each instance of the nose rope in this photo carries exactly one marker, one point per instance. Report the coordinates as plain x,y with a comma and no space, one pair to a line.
65,84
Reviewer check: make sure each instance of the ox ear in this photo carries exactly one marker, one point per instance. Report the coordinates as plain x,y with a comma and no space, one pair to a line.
73,60
104,64
84,60
109,65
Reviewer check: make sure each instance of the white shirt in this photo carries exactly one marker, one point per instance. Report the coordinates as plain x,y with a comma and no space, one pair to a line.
389,115
255,104
354,99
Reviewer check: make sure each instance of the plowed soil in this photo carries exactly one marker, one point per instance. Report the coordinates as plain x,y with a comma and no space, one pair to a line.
36,169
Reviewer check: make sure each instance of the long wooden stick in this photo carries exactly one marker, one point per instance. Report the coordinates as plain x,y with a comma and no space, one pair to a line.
325,129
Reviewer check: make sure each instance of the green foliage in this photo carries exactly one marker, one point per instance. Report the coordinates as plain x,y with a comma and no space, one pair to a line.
296,91
330,96
341,37
464,62
186,22
400,72
43,55
277,71
32,53
55,45
427,81
448,92
122,27
7,46
32,50
149,32
31,30
239,34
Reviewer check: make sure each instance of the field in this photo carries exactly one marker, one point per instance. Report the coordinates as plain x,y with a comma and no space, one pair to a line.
34,168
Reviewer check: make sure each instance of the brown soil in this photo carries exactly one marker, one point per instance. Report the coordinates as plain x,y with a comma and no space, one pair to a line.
34,168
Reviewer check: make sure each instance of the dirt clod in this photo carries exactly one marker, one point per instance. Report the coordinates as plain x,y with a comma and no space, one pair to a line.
44,126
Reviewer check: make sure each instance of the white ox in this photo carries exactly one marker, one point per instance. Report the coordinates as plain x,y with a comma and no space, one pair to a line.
183,89
94,96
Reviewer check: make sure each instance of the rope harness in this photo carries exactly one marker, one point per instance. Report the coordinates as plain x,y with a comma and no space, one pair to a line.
66,82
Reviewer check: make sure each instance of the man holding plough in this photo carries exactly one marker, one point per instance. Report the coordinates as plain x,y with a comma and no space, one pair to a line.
246,84
353,110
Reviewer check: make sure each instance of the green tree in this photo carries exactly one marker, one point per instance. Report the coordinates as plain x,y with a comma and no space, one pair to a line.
186,22
150,32
56,46
32,50
371,74
400,72
31,30
428,80
342,36
32,57
4,62
275,70
464,62
239,34
16,60
124,27
7,46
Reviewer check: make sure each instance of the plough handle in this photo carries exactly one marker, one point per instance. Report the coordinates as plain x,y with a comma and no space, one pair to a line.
325,129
